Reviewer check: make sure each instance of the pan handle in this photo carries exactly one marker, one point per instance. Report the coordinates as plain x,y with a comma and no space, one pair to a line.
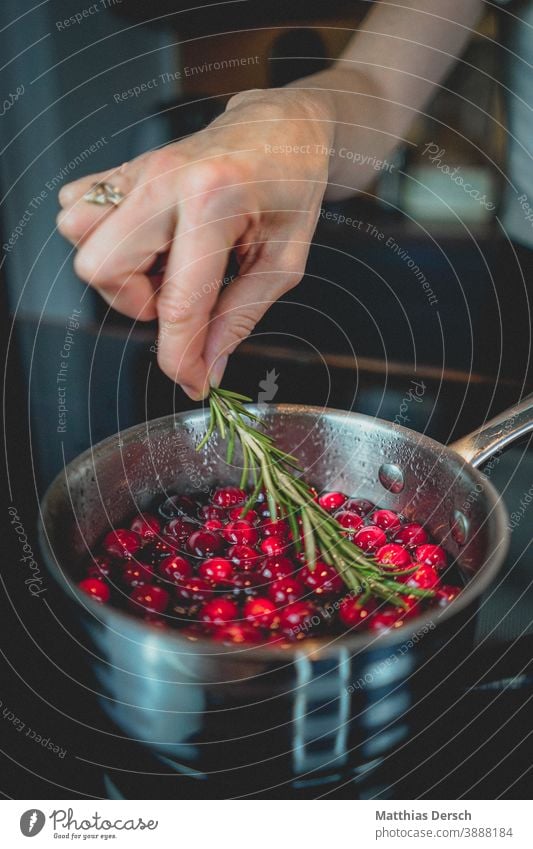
497,433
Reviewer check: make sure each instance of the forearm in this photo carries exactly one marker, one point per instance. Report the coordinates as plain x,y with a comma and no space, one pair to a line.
387,75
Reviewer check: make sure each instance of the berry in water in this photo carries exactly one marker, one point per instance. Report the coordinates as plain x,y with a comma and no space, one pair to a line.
96,589
122,543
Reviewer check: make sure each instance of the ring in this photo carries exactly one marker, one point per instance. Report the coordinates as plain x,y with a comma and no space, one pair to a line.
102,193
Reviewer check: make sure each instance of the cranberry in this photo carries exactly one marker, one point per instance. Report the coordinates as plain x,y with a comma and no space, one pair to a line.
393,554
361,506
286,590
147,526
96,588
229,496
324,580
425,578
386,619
209,512
331,501
137,575
274,568
175,569
411,535
204,543
445,595
122,543
150,597
213,525
354,613
181,529
387,520
369,539
218,611
298,617
431,555
261,612
237,513
178,505
101,567
275,528
348,519
195,590
241,532
244,557
237,632
216,569
273,546
245,583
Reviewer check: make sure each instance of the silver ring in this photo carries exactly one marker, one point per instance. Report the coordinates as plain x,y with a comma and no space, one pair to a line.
104,193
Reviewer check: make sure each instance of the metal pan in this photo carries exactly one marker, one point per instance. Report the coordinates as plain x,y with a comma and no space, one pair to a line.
326,710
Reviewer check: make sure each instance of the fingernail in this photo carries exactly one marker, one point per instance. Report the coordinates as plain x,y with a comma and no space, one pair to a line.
192,392
217,372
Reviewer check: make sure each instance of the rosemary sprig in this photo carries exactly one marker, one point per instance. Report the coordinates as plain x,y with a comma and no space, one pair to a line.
314,531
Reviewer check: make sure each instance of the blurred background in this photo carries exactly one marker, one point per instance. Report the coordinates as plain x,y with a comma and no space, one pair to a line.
414,281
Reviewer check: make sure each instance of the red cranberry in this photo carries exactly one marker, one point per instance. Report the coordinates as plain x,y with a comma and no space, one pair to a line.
387,520
445,595
209,512
213,525
299,617
386,619
274,568
101,567
218,611
181,529
425,578
286,590
273,546
96,589
195,590
229,496
241,532
261,612
243,584
348,519
237,513
122,543
178,505
147,526
244,557
411,535
324,580
354,613
369,539
431,555
204,543
165,545
275,528
331,501
150,597
216,569
361,506
137,575
236,633
175,569
393,554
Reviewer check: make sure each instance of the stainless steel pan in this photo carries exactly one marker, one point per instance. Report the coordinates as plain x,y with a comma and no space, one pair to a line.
325,711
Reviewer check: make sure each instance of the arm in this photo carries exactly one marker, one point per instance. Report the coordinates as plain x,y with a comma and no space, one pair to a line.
253,182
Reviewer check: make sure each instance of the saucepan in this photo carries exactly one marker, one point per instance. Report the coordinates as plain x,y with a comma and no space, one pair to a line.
326,710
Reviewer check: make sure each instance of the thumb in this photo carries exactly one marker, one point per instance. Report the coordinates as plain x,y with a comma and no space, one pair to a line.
239,308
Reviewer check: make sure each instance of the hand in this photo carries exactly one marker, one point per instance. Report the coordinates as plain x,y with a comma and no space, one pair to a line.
252,181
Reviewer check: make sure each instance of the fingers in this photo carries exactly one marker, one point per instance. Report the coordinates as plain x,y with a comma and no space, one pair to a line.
193,279
241,306
78,218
